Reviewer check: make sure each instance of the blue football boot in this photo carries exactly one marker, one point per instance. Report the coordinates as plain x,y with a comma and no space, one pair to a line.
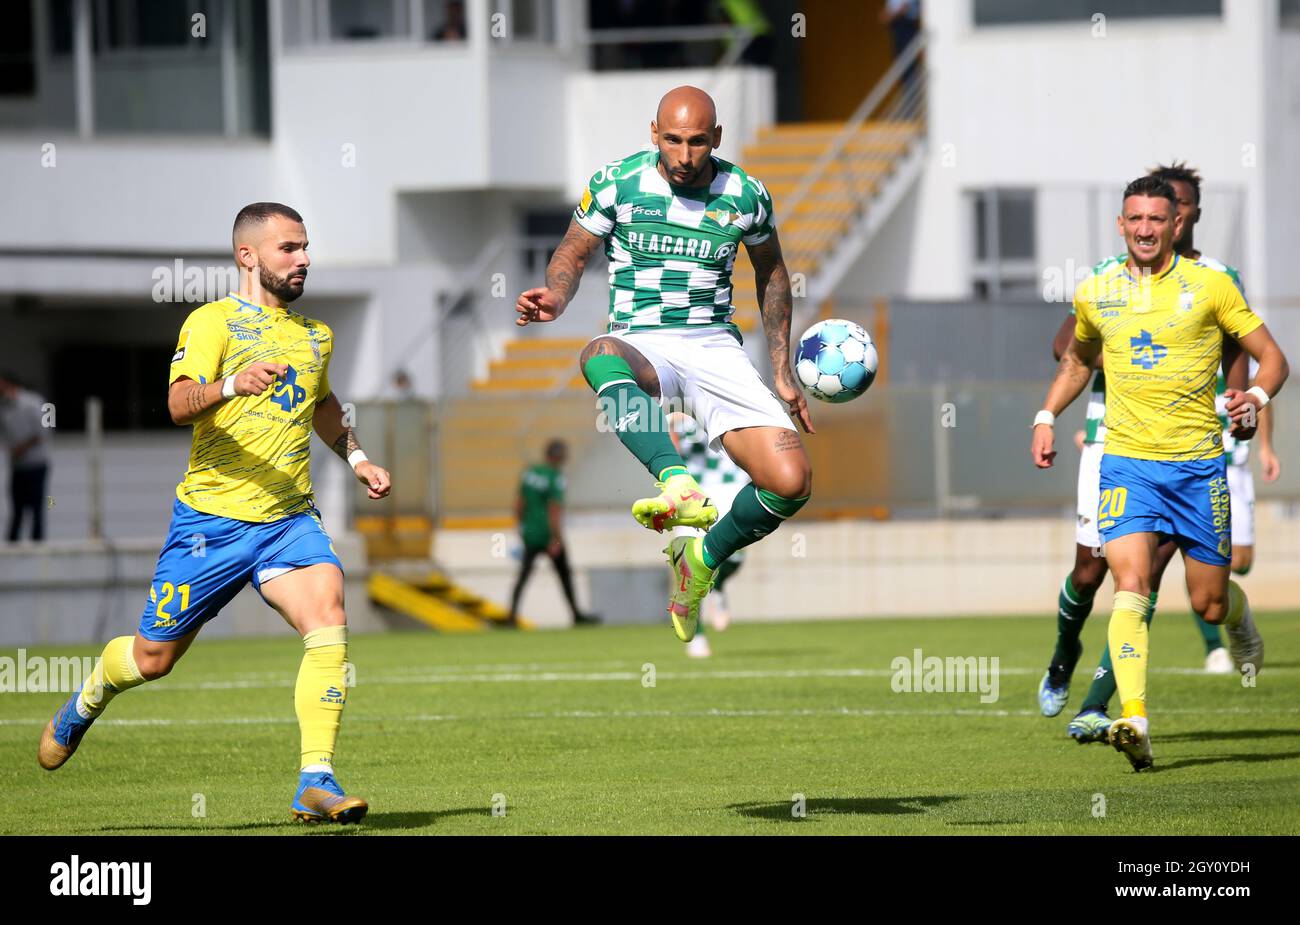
62,735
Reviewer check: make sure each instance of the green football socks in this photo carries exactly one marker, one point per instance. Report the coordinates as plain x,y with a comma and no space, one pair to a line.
1071,611
754,514
634,415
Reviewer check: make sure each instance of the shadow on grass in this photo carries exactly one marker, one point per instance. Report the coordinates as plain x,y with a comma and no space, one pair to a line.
420,820
1217,735
1254,758
839,806
387,821
198,828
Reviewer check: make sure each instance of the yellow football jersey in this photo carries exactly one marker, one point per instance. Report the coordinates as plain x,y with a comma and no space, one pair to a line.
1162,344
250,459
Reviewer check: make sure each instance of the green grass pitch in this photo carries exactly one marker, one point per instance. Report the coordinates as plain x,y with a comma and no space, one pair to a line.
563,728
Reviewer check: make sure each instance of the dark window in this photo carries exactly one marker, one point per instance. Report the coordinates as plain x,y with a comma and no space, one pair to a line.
60,16
1004,229
17,47
1288,14
1007,12
544,229
1015,224
363,19
152,23
131,381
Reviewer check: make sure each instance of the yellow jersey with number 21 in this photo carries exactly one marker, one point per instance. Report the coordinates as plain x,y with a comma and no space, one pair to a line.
1162,344
250,459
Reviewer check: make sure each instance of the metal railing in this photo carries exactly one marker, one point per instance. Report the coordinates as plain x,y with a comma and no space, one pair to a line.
899,99
469,339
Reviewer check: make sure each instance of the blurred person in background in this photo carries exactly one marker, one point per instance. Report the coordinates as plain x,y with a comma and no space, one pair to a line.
539,509
403,388
453,28
23,431
903,17
722,479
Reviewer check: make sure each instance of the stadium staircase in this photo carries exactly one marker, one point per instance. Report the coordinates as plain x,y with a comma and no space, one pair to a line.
432,598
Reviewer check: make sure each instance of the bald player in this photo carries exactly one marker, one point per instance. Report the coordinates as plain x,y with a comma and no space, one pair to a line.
672,219
252,378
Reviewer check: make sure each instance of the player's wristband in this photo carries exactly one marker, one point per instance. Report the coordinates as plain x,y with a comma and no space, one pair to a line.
228,387
356,457
1260,394
1045,417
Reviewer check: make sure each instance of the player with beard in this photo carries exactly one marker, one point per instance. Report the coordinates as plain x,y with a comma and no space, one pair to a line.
252,377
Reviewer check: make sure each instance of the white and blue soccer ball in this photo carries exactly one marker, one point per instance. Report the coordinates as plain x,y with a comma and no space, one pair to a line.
835,360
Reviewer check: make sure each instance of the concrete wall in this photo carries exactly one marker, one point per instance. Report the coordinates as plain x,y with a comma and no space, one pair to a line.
84,593
839,570
851,569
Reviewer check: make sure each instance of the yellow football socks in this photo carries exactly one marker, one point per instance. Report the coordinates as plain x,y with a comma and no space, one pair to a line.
116,671
1128,637
320,693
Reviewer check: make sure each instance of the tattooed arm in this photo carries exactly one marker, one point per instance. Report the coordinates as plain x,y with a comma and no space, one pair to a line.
776,306
187,399
563,274
332,426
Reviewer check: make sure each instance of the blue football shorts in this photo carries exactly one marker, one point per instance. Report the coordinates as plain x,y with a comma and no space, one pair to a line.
206,560
1185,500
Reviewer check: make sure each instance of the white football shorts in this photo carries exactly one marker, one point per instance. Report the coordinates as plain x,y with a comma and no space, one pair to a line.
707,374
1085,528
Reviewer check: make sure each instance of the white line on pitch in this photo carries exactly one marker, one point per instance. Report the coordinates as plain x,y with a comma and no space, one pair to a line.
635,714
504,677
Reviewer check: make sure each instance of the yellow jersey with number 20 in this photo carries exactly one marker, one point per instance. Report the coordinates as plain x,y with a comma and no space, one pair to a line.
251,458
1162,344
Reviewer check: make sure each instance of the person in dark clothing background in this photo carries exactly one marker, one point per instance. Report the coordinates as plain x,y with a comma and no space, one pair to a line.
539,507
23,430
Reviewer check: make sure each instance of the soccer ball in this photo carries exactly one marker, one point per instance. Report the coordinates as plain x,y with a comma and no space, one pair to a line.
835,360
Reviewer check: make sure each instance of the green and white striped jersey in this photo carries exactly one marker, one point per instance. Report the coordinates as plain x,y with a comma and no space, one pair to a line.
1237,453
671,248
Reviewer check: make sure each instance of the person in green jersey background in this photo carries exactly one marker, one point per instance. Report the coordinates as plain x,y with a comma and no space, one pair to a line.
539,509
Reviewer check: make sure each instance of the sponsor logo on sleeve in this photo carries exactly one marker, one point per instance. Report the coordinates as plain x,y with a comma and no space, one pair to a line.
180,348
